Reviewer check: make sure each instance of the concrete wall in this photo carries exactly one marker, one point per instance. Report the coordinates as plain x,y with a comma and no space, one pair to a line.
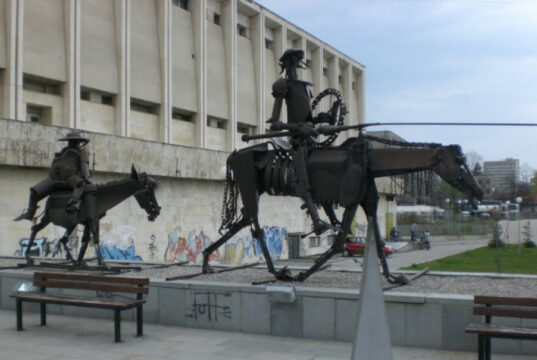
154,52
415,320
190,193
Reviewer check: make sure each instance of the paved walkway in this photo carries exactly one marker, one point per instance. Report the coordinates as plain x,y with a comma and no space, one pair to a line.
92,339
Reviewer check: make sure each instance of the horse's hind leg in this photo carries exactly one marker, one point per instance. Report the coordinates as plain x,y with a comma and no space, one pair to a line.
235,228
35,229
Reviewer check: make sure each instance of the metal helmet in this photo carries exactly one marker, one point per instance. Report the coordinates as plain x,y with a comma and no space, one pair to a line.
74,136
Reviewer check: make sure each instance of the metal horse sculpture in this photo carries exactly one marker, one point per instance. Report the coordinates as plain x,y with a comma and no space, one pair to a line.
107,196
341,175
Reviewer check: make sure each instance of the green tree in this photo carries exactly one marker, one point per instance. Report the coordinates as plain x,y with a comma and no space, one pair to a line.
533,183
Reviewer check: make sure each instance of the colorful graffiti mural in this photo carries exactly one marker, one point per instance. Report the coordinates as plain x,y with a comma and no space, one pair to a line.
245,249
188,249
42,247
113,252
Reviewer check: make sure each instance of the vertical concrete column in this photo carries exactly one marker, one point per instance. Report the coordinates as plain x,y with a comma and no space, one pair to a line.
123,40
280,45
346,89
317,69
165,38
229,24
333,72
71,93
199,23
258,43
359,94
13,104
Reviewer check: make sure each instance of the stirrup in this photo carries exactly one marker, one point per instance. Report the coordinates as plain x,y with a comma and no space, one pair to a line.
27,214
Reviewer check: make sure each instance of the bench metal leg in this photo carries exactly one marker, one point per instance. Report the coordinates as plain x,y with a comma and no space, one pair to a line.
481,347
488,351
139,321
43,314
117,325
19,314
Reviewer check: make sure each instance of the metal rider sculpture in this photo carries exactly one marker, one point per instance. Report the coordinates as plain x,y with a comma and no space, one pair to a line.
69,170
340,175
87,203
300,125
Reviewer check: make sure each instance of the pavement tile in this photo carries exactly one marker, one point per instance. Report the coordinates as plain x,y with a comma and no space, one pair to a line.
92,339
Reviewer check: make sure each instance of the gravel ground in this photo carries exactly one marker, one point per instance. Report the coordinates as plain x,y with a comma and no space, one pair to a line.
427,284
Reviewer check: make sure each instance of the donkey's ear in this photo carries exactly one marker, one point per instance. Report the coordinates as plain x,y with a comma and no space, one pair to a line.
134,173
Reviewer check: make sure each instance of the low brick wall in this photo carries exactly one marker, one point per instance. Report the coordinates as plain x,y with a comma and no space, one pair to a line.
415,320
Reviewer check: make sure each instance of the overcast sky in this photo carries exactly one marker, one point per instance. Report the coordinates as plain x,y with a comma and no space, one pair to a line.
438,60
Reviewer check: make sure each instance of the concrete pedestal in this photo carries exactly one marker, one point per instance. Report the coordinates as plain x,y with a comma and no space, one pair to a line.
372,340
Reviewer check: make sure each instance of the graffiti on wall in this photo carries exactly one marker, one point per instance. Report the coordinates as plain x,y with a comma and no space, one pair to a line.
208,306
42,247
152,248
188,248
113,252
117,242
245,249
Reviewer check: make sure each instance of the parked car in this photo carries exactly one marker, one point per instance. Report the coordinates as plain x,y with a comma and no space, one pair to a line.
357,247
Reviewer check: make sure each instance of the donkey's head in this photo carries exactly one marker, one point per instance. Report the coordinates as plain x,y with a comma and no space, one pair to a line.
145,196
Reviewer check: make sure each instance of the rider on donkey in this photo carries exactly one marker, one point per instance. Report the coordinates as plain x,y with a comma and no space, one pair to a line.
69,171
299,123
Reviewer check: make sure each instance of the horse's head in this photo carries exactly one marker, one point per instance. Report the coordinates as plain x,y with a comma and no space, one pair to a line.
453,169
146,195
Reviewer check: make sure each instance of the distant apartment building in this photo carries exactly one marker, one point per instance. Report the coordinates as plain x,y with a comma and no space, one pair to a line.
502,176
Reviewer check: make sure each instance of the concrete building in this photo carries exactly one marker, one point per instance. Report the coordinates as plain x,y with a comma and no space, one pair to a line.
503,175
168,85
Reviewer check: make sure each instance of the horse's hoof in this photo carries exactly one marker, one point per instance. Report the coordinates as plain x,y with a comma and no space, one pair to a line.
208,269
399,280
284,274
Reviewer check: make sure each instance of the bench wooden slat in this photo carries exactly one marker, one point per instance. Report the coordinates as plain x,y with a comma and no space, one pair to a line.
109,303
496,300
98,278
505,312
502,331
91,286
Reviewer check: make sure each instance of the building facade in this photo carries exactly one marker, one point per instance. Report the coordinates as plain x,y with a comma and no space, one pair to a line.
502,175
167,85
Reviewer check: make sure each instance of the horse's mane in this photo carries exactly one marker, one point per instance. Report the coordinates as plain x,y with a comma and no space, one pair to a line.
115,184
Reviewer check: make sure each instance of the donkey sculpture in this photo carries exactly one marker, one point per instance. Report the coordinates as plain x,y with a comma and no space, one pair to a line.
92,210
341,175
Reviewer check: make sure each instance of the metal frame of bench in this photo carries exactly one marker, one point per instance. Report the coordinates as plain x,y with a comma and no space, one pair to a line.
488,306
138,286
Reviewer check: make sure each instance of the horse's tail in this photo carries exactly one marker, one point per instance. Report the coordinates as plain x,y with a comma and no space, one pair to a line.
229,203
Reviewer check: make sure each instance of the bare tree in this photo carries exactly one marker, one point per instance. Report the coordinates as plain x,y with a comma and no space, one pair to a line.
472,159
526,173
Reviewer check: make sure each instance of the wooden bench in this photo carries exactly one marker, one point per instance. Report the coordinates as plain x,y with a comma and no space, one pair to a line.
104,287
488,306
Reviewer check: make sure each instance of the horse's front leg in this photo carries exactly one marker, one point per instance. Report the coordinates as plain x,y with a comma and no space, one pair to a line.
84,245
35,229
94,228
63,243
